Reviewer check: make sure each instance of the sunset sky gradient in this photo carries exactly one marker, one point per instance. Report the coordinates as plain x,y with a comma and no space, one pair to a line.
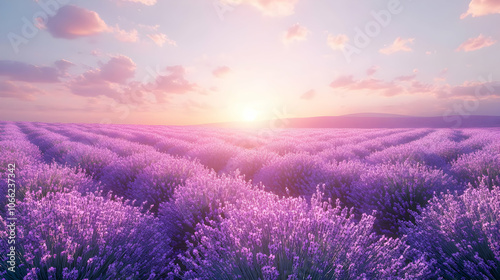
203,61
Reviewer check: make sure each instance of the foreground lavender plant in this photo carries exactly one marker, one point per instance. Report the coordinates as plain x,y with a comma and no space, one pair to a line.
200,200
69,236
460,234
265,237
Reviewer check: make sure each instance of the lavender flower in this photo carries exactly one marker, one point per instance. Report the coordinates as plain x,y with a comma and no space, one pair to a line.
265,237
70,236
460,234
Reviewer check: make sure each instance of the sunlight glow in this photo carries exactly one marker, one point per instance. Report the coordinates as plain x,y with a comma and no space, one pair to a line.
250,114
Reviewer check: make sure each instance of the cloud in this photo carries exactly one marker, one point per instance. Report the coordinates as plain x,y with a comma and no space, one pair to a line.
23,91
63,65
109,80
266,7
20,71
337,42
173,82
369,84
406,78
160,39
72,22
479,90
482,7
126,36
295,33
372,70
221,72
145,2
399,45
119,69
308,95
441,77
409,85
114,79
477,43
194,106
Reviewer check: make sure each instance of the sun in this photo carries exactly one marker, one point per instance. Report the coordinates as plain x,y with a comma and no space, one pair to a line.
249,114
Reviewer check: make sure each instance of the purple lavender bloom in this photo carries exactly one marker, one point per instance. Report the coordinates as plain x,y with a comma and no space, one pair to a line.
293,174
215,154
394,191
265,237
70,236
157,182
460,234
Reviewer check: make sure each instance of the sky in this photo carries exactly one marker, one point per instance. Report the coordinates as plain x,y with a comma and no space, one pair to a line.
188,62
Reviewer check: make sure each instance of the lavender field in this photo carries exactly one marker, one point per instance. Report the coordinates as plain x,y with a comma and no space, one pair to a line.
166,202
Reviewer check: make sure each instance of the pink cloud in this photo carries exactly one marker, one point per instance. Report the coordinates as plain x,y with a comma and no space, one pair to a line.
295,33
144,2
399,45
126,36
408,85
342,81
441,77
20,71
472,89
23,91
174,82
308,95
406,78
63,66
372,70
267,7
72,22
221,72
108,80
96,53
477,43
160,39
337,42
119,69
482,7
193,106
369,85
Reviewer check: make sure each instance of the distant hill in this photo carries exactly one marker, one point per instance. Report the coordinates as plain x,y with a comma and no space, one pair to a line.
372,120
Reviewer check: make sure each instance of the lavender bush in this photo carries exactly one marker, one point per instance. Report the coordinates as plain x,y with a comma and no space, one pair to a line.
119,174
472,168
460,234
157,182
200,200
394,191
249,162
69,236
214,155
297,173
44,178
288,239
174,146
